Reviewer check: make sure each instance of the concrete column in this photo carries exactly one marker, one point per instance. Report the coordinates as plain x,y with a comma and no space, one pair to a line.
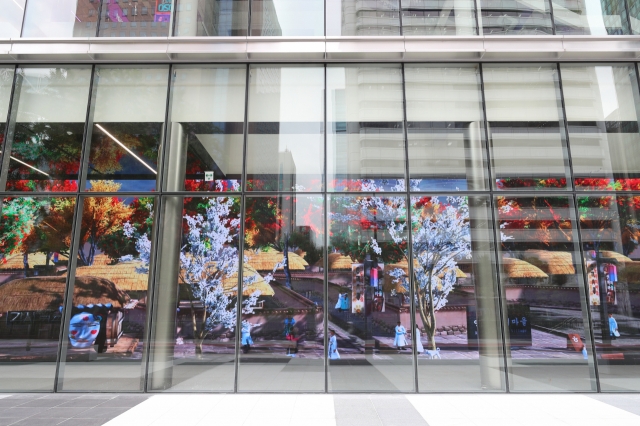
166,292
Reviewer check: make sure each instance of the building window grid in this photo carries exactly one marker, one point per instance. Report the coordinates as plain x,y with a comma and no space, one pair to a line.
161,195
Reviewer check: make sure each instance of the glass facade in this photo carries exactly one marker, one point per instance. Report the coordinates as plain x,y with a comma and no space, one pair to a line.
313,18
319,228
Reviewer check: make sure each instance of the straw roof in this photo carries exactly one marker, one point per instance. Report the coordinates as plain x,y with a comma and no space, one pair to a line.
403,264
551,262
266,260
230,282
47,293
516,268
615,255
122,273
336,262
15,261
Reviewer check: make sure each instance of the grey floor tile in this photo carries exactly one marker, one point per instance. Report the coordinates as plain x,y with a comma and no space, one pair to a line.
82,402
62,412
21,411
6,421
102,412
42,402
84,422
124,401
38,422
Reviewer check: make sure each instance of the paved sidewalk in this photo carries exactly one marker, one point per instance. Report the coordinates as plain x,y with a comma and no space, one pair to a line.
321,409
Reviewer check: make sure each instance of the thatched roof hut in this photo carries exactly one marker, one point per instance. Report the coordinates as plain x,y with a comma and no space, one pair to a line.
615,255
516,268
230,283
47,293
266,260
122,273
551,262
404,265
337,262
16,261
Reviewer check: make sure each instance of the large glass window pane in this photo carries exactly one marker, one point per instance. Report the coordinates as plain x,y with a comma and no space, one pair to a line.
526,127
609,230
282,336
545,312
46,129
133,19
365,143
285,146
458,334
126,127
370,322
61,18
363,17
602,105
206,129
439,17
11,18
578,17
210,18
287,18
516,17
35,234
104,335
634,15
193,347
445,124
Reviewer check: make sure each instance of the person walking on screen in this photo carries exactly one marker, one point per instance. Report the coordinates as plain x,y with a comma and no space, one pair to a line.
339,304
419,347
247,341
400,342
333,346
613,327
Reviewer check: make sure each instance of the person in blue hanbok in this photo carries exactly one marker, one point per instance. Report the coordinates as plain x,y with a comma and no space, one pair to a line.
419,347
613,327
400,342
345,302
247,341
333,346
339,304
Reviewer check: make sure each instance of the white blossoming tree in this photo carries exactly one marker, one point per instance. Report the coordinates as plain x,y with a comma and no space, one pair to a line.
209,262
441,237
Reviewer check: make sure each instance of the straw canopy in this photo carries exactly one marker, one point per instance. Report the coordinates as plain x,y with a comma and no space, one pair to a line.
16,261
122,273
516,268
337,262
47,293
267,259
630,272
615,255
551,262
230,282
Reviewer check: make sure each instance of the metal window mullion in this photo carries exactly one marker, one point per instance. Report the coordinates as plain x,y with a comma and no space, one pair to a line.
325,249
11,112
69,291
412,304
496,230
88,130
553,21
243,203
155,231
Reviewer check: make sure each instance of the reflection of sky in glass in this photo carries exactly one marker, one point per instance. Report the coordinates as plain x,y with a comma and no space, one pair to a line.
295,17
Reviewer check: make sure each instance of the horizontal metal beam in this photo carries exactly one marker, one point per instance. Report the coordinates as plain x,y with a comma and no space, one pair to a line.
322,49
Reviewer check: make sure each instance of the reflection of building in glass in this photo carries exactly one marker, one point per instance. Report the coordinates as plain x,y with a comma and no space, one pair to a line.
515,17
571,17
439,17
264,19
135,19
210,18
370,17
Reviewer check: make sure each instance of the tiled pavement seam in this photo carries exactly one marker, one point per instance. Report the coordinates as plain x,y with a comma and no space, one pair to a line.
66,409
